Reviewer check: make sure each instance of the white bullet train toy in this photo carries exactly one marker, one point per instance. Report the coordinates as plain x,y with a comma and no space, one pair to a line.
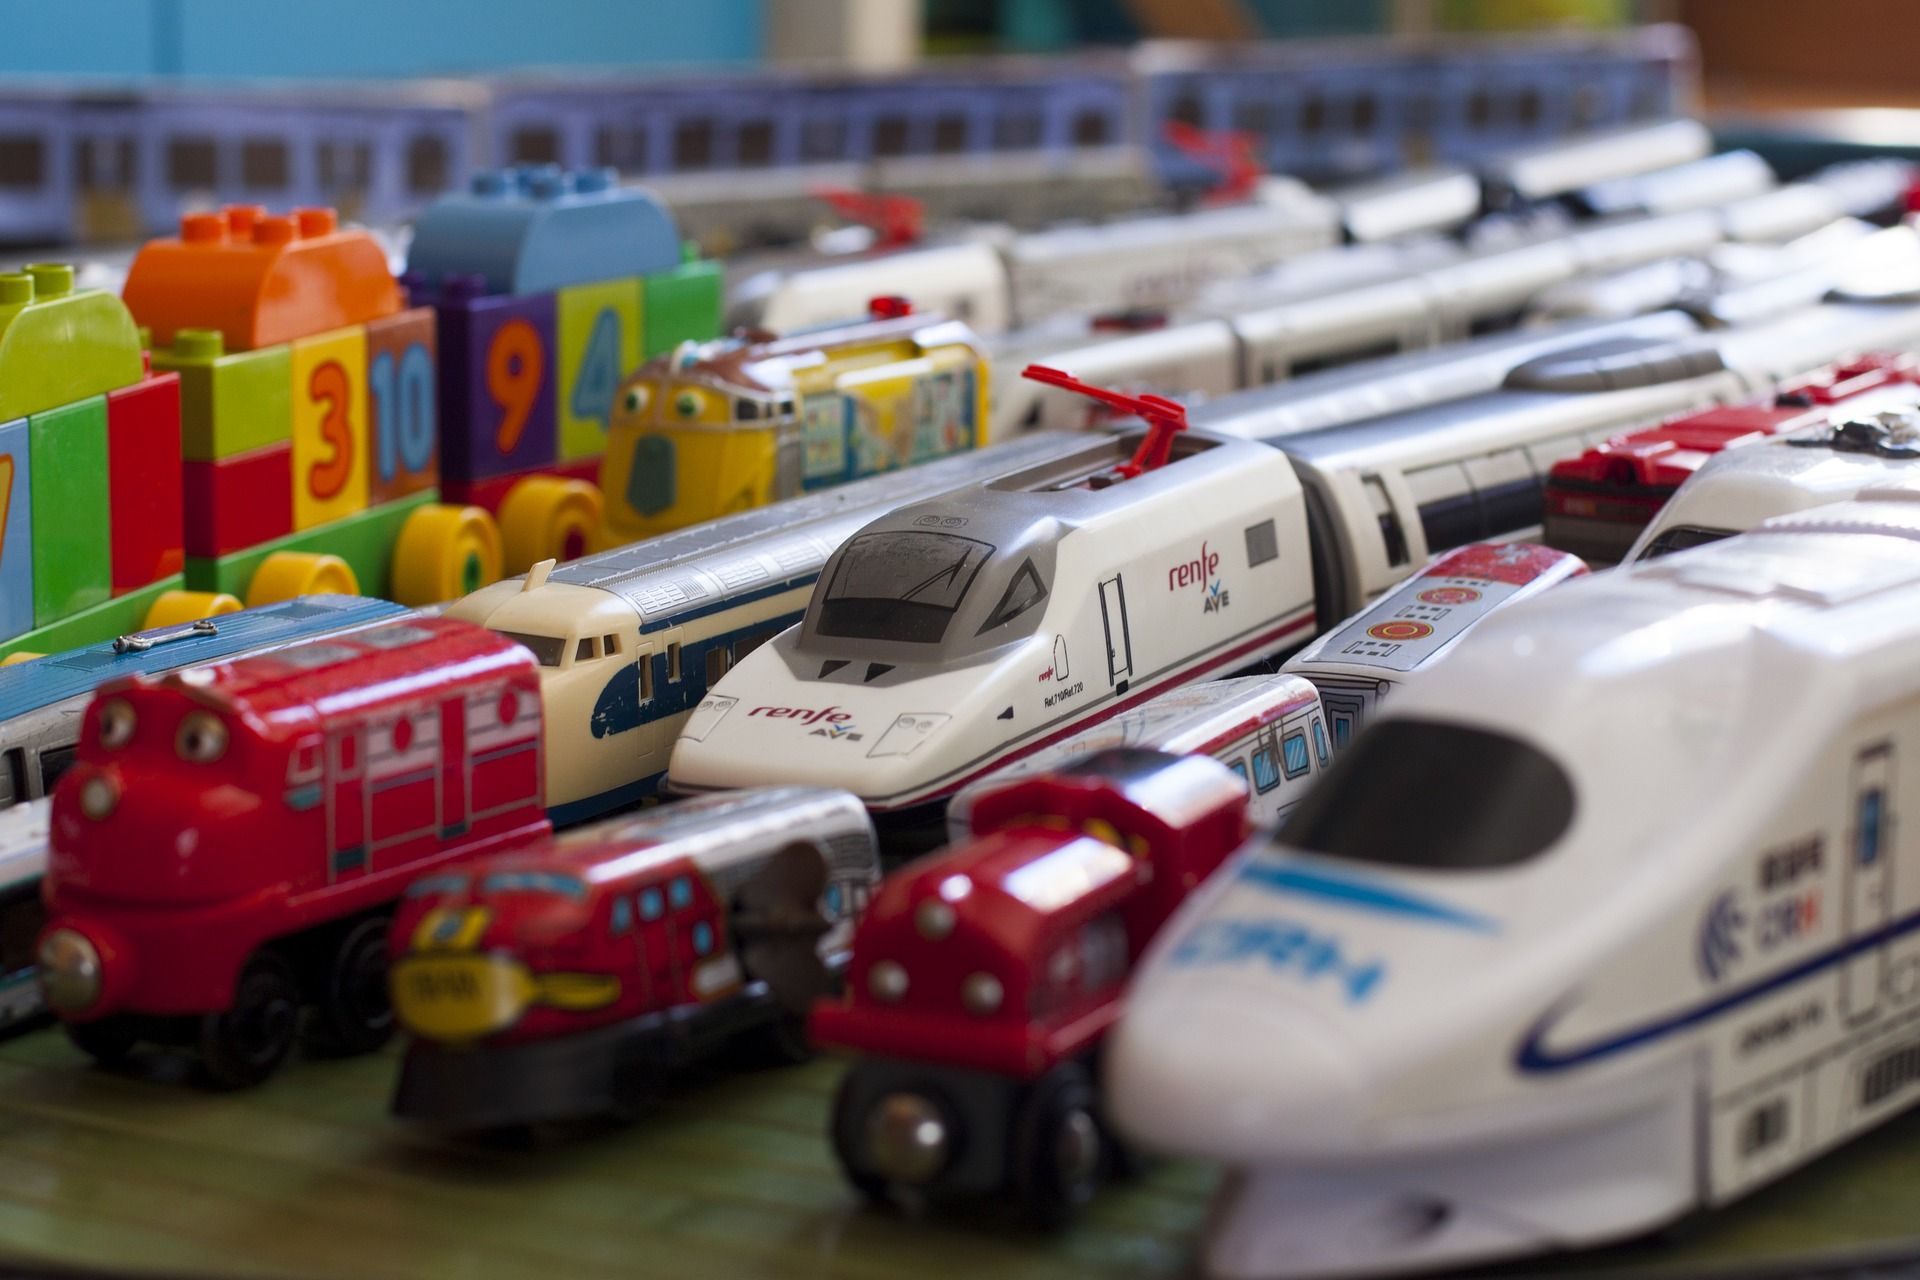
1620,920
972,628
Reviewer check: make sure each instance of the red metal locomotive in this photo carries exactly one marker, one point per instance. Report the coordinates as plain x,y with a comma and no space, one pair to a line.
229,841
984,978
567,978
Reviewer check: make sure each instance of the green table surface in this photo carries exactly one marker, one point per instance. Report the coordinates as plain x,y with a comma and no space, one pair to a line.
307,1176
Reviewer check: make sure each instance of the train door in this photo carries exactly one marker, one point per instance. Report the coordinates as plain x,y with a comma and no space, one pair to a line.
1113,614
1868,896
346,804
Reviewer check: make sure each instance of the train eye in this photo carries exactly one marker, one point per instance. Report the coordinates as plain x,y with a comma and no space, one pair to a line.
686,404
636,400
116,724
202,738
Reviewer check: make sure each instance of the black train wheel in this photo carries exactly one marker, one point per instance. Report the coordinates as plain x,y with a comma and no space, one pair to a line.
243,1045
1060,1149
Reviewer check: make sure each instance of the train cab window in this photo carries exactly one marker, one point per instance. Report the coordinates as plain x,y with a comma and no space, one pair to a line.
673,663
719,662
1428,794
263,164
54,762
702,938
548,651
1025,591
902,585
193,164
1017,131
693,144
890,135
949,134
620,917
753,149
1293,754
610,645
652,905
679,893
1266,774
587,650
1680,537
1391,534
1090,129
535,144
1320,741
22,161
428,166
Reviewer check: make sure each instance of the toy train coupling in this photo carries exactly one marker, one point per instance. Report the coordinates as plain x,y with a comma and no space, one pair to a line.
146,640
1165,418
895,220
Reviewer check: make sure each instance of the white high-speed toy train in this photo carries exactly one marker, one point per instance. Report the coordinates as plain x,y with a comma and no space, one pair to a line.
964,630
1619,920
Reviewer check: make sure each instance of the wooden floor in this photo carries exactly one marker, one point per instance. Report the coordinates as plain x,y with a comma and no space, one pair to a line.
308,1177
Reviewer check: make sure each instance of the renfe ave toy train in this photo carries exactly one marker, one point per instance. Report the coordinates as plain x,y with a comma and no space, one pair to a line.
1617,921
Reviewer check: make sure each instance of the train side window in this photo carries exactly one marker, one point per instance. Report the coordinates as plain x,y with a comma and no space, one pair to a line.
949,133
22,161
1090,129
1480,109
587,650
1313,115
1320,740
1266,774
680,893
1449,510
752,640
610,645
1239,766
193,164
622,916
1366,111
755,145
890,136
652,905
1187,108
1527,108
1391,533
263,164
427,165
646,676
1293,754
673,663
693,144
719,662
702,938
535,144
1508,490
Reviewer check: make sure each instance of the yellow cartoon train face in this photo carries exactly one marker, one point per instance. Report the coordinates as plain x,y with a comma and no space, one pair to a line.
719,427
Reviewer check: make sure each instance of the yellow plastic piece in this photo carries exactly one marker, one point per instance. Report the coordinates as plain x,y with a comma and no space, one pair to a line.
444,553
174,608
19,656
286,574
548,518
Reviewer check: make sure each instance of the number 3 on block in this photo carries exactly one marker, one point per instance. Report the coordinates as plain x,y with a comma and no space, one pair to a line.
330,445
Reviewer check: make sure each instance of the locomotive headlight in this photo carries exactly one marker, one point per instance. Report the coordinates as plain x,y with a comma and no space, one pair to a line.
908,1138
69,970
981,993
887,982
99,795
906,733
712,710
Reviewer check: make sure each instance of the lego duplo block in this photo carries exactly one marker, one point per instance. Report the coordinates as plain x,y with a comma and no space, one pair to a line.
59,345
229,403
143,481
365,541
403,393
16,530
493,491
330,439
122,615
536,229
599,338
260,280
238,502
72,524
497,376
681,305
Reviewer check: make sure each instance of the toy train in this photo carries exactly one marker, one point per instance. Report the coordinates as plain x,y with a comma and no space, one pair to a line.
567,978
984,978
23,861
1480,1009
738,154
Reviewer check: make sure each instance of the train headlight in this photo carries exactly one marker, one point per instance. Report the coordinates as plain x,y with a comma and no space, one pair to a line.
982,994
99,796
908,1138
887,982
712,710
906,733
70,971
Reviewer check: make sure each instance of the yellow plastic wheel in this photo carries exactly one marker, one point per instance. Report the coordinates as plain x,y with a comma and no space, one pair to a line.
286,574
444,553
176,608
548,518
21,656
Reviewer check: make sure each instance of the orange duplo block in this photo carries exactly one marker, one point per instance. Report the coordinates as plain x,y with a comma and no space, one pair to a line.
260,280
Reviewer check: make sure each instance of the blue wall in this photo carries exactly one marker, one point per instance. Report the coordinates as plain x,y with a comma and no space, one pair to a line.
339,38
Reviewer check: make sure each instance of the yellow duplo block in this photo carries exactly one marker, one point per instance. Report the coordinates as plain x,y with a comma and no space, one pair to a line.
600,331
331,439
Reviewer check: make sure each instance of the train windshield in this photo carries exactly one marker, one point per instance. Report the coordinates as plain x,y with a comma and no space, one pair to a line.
1682,537
534,882
548,651
903,585
1420,793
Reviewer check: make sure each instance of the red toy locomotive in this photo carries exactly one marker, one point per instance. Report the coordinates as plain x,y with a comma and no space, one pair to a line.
985,978
230,838
567,978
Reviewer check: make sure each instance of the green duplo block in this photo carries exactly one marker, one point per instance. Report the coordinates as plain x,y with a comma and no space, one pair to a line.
72,543
122,615
229,404
680,305
364,540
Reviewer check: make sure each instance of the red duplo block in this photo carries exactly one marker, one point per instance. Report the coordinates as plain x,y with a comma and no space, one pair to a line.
143,481
239,502
491,492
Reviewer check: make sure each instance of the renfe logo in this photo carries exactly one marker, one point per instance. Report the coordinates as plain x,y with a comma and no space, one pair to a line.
805,715
1196,572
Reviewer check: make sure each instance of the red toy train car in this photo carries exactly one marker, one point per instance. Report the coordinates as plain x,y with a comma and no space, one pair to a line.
230,838
568,978
984,979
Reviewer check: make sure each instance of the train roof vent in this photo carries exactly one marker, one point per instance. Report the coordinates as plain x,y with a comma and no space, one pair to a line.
1614,364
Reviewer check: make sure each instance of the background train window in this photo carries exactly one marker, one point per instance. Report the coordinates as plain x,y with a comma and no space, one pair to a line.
1366,113
1449,509
1293,754
673,661
890,135
718,662
427,167
949,133
1187,108
1017,131
1526,108
1090,129
823,140
345,166
193,164
1266,772
1313,115
263,164
13,777
1480,109
755,145
693,144
620,147
535,144
22,161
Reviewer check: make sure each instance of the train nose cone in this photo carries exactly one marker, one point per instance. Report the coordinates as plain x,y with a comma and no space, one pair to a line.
1213,1073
